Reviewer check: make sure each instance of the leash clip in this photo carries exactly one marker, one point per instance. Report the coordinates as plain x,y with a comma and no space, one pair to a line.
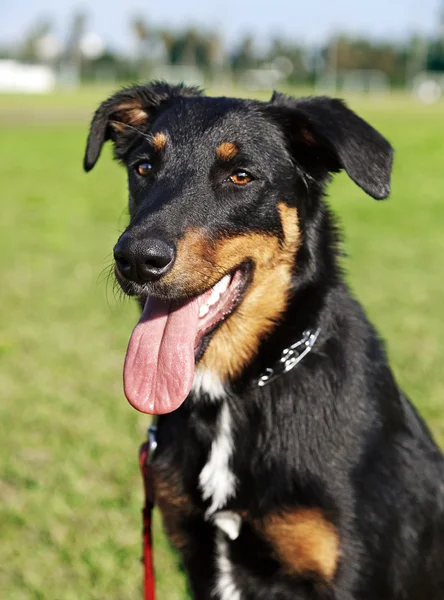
152,442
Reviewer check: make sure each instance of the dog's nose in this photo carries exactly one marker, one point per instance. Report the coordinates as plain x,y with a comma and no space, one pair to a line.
143,260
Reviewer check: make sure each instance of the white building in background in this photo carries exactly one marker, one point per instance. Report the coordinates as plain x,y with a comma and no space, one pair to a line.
22,78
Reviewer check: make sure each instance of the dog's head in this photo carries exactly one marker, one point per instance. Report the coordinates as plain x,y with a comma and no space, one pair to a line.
220,196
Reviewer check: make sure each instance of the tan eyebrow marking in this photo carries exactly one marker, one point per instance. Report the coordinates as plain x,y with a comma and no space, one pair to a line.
159,141
226,151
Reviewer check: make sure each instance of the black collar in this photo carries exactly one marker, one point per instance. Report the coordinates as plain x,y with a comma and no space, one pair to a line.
290,357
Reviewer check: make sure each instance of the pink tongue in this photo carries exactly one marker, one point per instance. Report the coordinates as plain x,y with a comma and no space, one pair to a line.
159,363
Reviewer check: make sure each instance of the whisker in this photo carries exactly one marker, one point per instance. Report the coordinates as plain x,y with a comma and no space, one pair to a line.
219,268
107,257
147,136
105,273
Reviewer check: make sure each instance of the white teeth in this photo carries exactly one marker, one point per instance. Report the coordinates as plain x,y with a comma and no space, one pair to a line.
219,289
204,309
223,284
214,296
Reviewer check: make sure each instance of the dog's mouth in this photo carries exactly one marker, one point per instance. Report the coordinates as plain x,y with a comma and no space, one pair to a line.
218,303
171,336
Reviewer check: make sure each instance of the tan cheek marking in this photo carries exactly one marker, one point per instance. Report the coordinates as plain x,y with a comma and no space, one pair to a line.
159,141
201,262
193,269
236,342
226,151
304,541
290,224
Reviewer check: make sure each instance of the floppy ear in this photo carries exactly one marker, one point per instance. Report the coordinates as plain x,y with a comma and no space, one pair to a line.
127,114
325,135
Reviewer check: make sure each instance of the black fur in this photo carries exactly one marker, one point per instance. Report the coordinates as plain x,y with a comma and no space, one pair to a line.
336,433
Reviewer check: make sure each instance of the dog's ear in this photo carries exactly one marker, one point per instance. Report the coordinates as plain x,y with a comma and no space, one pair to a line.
128,114
324,135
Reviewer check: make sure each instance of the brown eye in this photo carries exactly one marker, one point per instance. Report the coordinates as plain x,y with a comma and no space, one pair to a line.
144,168
240,178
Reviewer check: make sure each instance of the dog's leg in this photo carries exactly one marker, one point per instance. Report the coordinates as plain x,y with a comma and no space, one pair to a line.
197,550
201,574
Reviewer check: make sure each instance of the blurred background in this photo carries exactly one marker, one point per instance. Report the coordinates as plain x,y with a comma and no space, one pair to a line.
355,46
70,490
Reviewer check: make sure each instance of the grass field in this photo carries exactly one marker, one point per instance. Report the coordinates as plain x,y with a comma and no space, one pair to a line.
70,492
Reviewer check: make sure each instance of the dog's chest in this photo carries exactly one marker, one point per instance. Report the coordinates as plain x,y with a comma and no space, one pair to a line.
217,481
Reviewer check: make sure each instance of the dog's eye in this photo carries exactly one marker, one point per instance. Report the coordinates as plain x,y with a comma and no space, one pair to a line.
144,168
241,178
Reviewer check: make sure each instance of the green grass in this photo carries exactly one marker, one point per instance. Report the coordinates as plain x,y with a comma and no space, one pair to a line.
70,493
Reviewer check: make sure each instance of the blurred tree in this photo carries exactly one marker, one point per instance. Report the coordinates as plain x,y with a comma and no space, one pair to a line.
29,49
416,56
190,47
76,31
205,51
435,54
435,57
141,34
296,71
168,40
140,30
216,51
345,53
244,56
5,52
109,67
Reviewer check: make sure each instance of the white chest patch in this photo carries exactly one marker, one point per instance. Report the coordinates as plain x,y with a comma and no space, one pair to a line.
229,522
225,586
206,382
216,480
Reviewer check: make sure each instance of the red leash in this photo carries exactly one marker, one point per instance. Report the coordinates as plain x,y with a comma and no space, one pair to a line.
145,456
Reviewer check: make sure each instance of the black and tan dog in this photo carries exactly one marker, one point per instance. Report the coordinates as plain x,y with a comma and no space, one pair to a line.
290,465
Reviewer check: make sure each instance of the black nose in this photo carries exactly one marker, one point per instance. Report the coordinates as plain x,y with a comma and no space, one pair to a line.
143,260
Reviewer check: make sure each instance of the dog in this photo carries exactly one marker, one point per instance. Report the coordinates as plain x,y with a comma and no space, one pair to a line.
289,464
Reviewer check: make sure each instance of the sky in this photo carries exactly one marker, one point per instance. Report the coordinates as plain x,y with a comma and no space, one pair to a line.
308,21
